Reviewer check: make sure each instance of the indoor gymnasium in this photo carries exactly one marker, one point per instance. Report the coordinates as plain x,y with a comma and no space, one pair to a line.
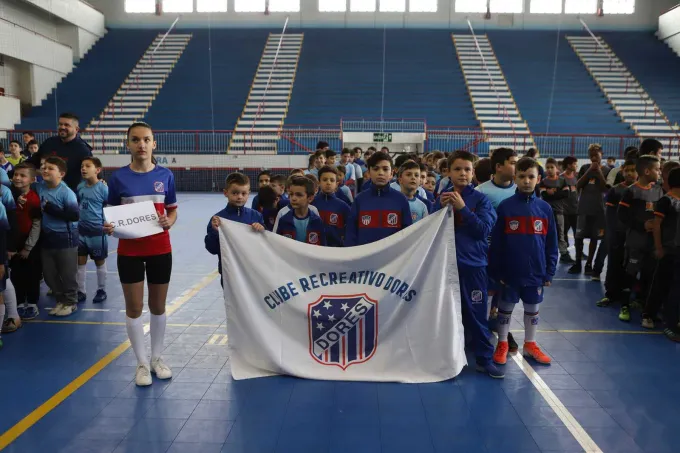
170,168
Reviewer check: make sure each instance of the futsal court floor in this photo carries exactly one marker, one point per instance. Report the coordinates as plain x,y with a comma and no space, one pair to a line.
67,385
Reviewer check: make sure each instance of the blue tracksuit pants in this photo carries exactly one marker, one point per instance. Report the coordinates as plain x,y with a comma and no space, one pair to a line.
473,295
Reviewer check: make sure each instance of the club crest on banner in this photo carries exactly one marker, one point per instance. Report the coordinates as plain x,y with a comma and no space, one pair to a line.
514,225
343,330
366,219
392,219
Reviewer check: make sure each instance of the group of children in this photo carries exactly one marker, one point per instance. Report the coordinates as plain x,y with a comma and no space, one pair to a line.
48,233
389,198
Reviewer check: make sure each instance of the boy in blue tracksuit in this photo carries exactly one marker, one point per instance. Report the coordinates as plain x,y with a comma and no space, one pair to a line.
379,211
474,216
522,258
333,211
409,180
237,190
301,223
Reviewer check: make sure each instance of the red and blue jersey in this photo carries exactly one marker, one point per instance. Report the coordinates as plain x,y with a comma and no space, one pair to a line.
523,249
158,186
377,213
473,225
334,213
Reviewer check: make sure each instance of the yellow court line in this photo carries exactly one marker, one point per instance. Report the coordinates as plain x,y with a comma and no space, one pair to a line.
17,430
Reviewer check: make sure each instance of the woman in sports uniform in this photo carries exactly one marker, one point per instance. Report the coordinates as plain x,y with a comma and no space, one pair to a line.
144,180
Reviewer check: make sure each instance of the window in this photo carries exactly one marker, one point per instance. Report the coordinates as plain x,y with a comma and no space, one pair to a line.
507,6
470,6
362,6
332,6
580,7
546,6
422,6
140,6
178,6
284,6
211,6
392,6
619,6
249,6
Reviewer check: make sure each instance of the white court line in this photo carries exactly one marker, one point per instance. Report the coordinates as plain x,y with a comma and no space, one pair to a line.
576,430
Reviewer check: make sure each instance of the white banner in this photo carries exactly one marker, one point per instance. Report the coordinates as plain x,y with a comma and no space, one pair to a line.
134,220
387,311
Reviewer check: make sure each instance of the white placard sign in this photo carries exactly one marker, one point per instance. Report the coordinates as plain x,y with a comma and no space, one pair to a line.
387,311
134,220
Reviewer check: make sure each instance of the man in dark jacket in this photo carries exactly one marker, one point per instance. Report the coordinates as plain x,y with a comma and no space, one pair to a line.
67,145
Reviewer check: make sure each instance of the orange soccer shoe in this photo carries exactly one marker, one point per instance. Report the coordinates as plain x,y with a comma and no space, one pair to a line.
532,350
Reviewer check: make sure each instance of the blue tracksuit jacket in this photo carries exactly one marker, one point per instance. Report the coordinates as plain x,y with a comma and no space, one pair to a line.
235,213
523,242
316,230
334,213
473,227
377,213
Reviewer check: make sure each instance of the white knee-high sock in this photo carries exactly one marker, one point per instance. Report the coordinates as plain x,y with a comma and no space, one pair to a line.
157,334
135,331
81,277
101,276
530,322
504,317
10,296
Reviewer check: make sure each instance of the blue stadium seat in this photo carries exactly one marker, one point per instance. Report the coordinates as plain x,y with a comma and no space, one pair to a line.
578,105
88,88
653,64
184,101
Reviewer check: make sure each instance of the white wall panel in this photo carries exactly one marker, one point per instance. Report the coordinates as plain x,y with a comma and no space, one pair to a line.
10,112
22,44
75,12
43,80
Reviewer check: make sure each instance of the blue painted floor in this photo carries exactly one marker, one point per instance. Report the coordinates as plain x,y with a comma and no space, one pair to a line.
620,387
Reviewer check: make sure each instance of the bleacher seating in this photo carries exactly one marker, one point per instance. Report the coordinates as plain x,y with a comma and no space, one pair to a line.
340,76
184,102
87,89
653,64
423,79
578,105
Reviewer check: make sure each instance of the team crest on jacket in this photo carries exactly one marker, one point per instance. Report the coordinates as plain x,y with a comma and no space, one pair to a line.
343,330
333,219
538,226
476,296
313,238
514,225
158,186
392,219
366,219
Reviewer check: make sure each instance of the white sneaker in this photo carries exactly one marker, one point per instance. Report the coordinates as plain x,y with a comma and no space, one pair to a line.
143,376
56,309
65,310
160,369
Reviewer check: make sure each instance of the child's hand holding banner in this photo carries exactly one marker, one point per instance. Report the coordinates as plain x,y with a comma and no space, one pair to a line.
133,221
